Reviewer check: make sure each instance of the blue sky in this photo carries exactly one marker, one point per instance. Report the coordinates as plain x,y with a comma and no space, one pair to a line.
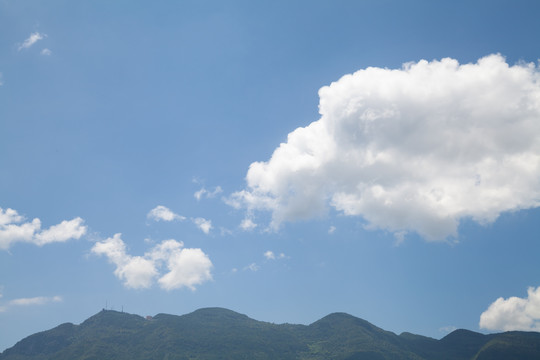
212,153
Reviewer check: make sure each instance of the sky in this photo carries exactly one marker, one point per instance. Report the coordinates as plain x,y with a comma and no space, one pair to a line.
283,159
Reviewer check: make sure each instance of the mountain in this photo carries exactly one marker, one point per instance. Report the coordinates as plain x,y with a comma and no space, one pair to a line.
216,333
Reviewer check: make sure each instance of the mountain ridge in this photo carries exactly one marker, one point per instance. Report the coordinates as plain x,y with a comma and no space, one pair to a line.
219,333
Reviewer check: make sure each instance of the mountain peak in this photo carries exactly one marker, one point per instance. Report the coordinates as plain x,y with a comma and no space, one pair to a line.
341,319
338,316
217,311
112,318
213,315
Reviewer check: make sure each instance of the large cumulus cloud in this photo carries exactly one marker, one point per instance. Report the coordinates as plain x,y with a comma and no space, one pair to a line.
514,313
411,149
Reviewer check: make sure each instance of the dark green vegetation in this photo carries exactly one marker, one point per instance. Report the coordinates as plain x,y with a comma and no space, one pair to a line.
216,333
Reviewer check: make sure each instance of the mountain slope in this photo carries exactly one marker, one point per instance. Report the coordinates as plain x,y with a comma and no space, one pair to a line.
342,336
216,333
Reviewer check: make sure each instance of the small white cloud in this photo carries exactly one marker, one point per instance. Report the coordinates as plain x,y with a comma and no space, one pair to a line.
331,230
203,224
270,255
136,271
400,237
206,193
163,213
186,267
514,313
32,39
252,267
39,300
198,194
1,82
13,230
46,52
66,230
12,233
415,149
247,224
9,216
224,231
33,301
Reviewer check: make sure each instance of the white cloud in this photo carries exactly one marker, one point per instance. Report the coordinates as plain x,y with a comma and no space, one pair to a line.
203,224
514,313
13,230
136,271
66,230
198,194
225,232
32,39
1,82
12,233
247,224
39,300
411,149
206,193
33,301
270,255
46,52
186,267
331,230
161,212
9,216
252,267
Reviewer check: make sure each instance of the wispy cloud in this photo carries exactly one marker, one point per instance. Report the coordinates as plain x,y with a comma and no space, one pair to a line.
206,193
39,300
514,313
13,230
46,52
252,267
162,213
247,224
31,40
204,224
414,149
32,301
270,255
447,329
186,267
225,232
